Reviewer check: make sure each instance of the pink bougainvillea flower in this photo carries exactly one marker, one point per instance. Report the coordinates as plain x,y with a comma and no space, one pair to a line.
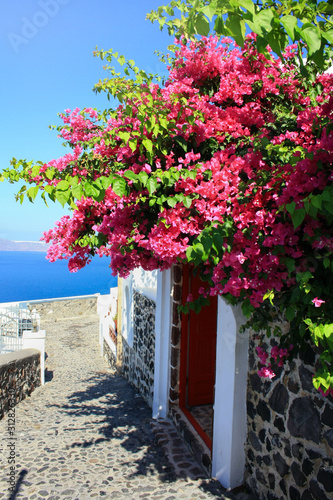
318,302
262,355
266,372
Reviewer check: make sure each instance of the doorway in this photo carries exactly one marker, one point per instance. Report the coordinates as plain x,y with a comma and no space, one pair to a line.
198,359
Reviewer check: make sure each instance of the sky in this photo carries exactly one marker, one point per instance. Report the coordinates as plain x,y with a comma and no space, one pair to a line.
47,66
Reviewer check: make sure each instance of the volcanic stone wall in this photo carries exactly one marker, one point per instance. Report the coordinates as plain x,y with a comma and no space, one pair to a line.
138,360
19,376
109,356
290,433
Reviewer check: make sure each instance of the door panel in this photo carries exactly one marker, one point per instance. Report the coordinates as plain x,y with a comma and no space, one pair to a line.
201,348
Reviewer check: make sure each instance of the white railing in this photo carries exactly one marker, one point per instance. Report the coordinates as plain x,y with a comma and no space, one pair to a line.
15,319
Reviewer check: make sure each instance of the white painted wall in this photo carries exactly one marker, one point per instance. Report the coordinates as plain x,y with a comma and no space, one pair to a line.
36,340
163,322
107,310
127,310
229,427
145,282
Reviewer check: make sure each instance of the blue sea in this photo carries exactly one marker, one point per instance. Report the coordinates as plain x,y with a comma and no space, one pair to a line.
30,276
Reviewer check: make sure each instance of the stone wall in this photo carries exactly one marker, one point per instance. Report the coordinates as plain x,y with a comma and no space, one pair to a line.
108,355
138,359
290,433
19,376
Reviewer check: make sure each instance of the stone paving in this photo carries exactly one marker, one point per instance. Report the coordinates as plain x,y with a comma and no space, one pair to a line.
87,434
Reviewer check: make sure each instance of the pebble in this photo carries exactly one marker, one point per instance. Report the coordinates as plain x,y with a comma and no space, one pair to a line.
87,433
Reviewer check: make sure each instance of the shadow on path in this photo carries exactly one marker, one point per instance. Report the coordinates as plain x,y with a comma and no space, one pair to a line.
19,481
120,416
115,412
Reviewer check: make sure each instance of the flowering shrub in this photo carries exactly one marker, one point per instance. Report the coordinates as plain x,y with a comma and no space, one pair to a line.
275,22
227,166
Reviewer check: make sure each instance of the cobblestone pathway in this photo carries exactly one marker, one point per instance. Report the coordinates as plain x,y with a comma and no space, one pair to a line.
87,434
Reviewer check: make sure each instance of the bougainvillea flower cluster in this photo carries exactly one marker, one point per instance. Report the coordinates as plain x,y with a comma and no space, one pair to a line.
228,166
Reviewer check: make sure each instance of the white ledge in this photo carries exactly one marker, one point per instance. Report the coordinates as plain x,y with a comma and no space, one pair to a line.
11,357
148,292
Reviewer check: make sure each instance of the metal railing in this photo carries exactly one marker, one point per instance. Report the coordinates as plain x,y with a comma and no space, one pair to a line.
14,320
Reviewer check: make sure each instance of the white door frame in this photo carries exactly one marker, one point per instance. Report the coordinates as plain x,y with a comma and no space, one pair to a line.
230,422
163,323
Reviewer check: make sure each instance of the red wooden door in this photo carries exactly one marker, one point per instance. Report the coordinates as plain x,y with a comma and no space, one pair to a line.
200,347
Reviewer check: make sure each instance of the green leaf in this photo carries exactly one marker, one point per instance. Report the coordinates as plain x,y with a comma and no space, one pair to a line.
206,241
304,277
143,177
199,249
119,186
247,308
50,190
124,136
269,295
291,207
49,173
129,174
326,263
328,35
247,4
290,313
133,144
202,25
163,123
277,41
328,330
148,145
310,209
32,193
63,185
77,191
91,190
219,25
328,205
187,201
152,185
236,27
262,22
63,196
298,216
35,170
312,38
121,60
264,18
316,201
209,10
104,182
302,330
218,241
181,142
189,252
264,141
172,202
289,23
289,263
